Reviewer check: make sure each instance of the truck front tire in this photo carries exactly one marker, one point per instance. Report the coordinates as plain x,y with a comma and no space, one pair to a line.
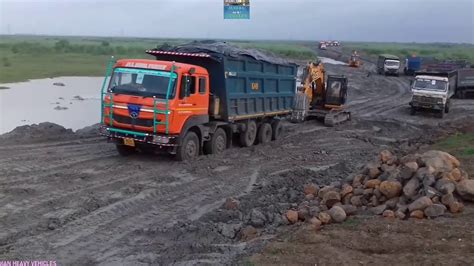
218,142
446,107
189,148
247,137
265,133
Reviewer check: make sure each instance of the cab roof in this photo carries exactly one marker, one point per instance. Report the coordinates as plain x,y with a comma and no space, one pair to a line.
432,77
159,65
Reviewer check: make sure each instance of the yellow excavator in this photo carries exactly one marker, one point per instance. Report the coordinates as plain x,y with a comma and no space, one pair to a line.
320,98
354,60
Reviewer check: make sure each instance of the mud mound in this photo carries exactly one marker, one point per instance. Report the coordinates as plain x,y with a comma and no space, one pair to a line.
87,132
36,133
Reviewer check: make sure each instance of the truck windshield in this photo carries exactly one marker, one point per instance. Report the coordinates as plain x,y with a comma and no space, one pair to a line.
392,63
430,84
143,82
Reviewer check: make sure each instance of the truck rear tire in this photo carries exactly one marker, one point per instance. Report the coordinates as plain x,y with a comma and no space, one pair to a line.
277,130
247,137
265,133
124,150
189,148
218,142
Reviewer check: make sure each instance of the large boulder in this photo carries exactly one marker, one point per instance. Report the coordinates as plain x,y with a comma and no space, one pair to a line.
292,216
408,170
310,189
435,210
330,198
378,210
465,189
324,217
420,204
440,161
390,188
445,186
337,214
372,183
411,187
386,156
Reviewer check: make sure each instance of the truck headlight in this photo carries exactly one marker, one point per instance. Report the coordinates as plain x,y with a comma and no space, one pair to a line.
161,139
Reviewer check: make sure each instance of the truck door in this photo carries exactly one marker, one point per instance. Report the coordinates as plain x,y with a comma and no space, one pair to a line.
193,99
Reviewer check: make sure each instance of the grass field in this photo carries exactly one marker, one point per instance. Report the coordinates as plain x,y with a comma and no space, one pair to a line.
460,145
437,50
33,57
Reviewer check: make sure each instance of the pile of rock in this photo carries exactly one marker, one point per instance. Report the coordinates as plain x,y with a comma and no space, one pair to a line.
418,185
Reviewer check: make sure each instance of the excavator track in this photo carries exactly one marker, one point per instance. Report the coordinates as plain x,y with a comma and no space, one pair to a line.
334,118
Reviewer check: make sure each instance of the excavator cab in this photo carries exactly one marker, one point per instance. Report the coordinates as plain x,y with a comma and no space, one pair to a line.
336,90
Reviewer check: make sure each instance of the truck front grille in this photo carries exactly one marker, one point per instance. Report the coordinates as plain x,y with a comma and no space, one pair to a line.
133,121
426,99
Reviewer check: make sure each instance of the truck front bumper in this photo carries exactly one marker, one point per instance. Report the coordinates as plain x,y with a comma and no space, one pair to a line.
161,140
432,106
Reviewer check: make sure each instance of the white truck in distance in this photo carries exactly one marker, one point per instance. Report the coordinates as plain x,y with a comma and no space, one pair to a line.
433,92
388,64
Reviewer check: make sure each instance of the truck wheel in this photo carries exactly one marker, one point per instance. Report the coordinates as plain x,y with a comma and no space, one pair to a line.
265,133
125,150
218,142
412,111
277,130
247,137
189,148
446,107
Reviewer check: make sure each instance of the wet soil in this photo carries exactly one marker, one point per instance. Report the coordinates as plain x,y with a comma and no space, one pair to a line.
74,200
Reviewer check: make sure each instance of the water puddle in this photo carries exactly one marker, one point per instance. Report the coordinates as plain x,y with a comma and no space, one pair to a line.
326,60
74,102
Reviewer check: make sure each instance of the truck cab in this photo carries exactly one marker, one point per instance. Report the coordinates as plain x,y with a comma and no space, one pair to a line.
388,64
150,101
431,92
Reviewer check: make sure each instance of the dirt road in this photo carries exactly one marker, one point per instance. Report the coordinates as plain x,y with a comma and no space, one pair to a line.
77,202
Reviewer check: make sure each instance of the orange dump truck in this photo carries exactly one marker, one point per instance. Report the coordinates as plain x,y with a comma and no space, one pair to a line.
195,99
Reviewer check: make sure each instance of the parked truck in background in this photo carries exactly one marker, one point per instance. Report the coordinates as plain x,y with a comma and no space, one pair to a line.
465,83
412,64
388,64
432,91
194,100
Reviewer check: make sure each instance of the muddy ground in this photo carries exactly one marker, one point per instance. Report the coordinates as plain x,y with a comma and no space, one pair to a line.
74,200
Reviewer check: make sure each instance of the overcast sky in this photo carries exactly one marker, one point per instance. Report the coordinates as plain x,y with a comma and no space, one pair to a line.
354,20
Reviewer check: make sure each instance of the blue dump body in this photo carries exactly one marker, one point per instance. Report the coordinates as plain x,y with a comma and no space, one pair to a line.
255,88
245,86
414,63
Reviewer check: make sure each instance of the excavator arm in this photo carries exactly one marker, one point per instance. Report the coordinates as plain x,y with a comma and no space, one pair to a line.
313,81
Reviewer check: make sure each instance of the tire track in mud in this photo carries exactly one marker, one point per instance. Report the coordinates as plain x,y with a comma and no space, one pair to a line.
163,205
100,181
